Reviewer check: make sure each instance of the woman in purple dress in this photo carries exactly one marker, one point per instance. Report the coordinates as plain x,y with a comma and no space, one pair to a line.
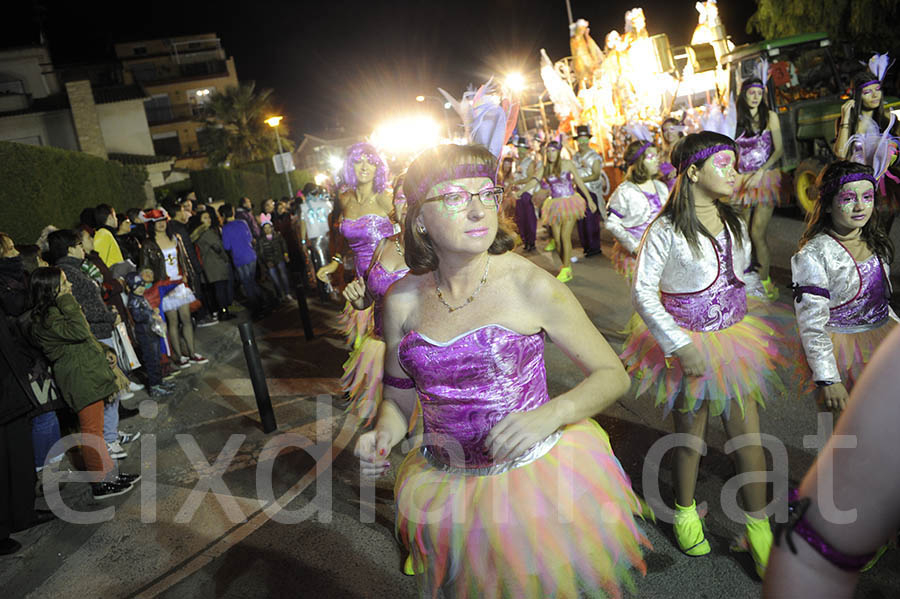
510,492
365,204
842,283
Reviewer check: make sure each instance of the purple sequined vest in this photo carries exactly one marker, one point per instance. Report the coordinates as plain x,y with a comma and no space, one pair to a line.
870,306
377,283
754,151
717,307
560,187
469,384
363,235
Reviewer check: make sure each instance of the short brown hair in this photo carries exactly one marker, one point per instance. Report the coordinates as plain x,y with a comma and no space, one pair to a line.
420,255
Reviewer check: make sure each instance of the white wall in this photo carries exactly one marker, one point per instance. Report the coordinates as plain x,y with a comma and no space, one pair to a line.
124,126
54,128
27,65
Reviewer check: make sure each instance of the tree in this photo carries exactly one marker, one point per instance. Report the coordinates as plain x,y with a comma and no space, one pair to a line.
869,24
236,131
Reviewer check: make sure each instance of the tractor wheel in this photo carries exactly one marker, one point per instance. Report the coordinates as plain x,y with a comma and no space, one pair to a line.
804,183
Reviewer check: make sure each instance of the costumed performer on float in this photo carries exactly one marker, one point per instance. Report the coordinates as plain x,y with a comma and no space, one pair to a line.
842,285
365,203
636,201
760,148
560,205
590,168
511,493
700,353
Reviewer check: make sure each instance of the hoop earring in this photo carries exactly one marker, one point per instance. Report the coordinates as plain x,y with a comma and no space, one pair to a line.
421,230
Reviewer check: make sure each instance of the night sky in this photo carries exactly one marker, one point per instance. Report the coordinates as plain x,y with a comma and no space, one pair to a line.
352,63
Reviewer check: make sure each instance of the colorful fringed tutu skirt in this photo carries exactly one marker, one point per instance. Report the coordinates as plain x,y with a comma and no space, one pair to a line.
555,210
741,359
852,352
765,193
623,261
354,324
560,526
363,373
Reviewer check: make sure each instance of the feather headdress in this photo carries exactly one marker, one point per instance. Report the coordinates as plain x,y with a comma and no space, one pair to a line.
879,65
761,70
489,120
565,103
720,120
639,131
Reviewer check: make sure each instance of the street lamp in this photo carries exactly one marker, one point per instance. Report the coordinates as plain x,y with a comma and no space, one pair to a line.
272,122
515,82
447,106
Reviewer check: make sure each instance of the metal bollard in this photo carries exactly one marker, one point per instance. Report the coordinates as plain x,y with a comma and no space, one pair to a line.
257,377
304,312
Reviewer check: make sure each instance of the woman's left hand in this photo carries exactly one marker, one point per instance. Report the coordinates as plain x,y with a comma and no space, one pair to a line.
518,432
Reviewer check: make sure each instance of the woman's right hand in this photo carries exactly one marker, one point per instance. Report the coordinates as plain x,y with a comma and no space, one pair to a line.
692,362
326,271
847,111
835,397
373,449
355,293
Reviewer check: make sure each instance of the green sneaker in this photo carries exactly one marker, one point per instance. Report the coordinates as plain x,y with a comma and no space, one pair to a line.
689,531
550,247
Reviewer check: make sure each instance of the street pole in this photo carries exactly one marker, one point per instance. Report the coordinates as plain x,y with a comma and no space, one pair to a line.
569,9
287,175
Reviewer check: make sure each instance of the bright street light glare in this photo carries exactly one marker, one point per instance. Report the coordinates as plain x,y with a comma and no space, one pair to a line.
273,121
321,178
335,163
420,98
406,135
515,82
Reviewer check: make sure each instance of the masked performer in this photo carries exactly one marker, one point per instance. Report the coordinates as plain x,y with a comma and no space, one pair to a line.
590,168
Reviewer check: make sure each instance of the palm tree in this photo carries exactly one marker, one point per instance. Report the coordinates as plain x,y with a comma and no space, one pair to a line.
236,131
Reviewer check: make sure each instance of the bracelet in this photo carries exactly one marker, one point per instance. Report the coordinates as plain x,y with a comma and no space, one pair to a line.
824,383
336,259
397,382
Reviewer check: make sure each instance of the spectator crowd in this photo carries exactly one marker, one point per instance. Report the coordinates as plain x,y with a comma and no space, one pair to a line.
94,313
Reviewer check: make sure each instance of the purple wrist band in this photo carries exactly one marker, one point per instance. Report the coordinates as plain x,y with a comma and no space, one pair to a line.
460,171
640,153
397,382
798,524
703,155
799,290
614,211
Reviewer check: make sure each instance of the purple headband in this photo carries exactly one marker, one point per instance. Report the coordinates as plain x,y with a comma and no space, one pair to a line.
852,177
703,155
460,171
639,153
759,85
867,83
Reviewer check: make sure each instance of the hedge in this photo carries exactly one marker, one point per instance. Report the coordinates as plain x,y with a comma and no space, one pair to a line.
40,186
255,180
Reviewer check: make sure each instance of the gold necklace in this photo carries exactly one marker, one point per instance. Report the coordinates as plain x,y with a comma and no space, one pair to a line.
468,301
399,247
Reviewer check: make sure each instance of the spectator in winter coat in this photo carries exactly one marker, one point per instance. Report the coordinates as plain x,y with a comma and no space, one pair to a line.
238,241
273,253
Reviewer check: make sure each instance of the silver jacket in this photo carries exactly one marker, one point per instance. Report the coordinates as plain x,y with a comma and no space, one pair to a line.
533,184
584,163
629,201
667,263
824,263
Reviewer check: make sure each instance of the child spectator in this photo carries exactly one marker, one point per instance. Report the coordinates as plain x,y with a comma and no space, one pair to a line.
273,253
148,328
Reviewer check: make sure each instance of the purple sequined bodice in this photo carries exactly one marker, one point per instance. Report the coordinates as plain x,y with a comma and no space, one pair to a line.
378,282
717,307
469,384
656,205
363,235
560,187
870,306
754,151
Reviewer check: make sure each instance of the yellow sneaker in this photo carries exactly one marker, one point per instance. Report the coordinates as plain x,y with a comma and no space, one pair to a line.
565,274
550,247
770,289
408,567
757,540
689,531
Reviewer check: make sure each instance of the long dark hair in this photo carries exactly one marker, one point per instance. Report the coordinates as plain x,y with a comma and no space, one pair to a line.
746,124
819,220
679,208
556,167
45,283
879,115
59,243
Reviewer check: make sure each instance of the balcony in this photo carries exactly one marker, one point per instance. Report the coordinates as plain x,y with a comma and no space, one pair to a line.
156,73
171,113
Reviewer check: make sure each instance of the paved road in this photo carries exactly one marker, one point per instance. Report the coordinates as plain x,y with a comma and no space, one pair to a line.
227,543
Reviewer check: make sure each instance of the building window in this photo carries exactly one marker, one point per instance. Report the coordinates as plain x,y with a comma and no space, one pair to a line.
12,87
166,144
159,109
144,72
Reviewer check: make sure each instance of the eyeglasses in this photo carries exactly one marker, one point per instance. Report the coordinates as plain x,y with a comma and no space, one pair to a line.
457,201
